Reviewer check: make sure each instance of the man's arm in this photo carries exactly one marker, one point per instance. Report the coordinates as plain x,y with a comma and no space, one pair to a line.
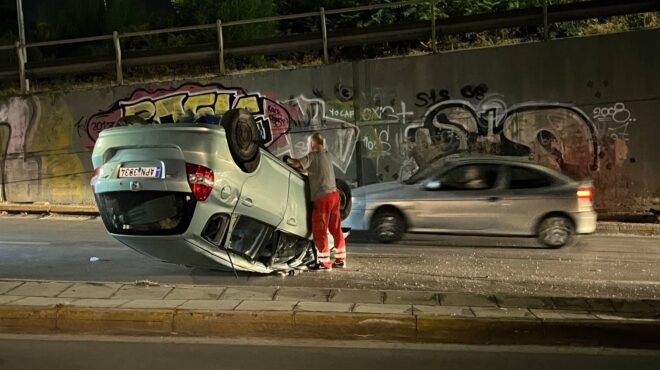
295,163
300,164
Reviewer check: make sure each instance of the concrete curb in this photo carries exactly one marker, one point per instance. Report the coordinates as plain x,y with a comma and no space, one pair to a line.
610,227
74,209
416,327
604,227
47,307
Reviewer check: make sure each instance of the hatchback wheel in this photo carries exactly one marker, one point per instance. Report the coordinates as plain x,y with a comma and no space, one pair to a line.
345,201
242,138
556,231
388,226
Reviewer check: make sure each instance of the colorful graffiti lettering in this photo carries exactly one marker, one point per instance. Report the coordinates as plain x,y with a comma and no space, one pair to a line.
191,103
284,126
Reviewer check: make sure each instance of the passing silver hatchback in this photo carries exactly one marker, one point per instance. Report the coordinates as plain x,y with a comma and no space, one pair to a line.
478,195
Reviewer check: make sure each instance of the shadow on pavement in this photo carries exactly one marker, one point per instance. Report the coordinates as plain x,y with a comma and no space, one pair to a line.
452,241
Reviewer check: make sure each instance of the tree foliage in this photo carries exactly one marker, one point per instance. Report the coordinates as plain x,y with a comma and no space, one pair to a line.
366,18
48,20
62,19
189,12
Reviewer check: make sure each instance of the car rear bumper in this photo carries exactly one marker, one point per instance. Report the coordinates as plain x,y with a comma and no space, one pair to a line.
585,222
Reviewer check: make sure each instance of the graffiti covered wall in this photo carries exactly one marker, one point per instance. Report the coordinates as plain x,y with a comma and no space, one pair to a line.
587,107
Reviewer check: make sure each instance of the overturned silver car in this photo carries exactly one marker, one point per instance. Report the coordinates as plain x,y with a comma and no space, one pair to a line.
205,195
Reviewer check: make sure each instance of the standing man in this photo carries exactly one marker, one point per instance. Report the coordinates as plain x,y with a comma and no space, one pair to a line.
325,215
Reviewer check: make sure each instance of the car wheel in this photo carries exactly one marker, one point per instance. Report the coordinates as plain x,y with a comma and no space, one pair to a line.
388,226
556,231
242,138
251,166
345,198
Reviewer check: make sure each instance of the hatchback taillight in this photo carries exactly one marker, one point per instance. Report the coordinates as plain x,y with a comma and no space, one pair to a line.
95,176
200,179
585,193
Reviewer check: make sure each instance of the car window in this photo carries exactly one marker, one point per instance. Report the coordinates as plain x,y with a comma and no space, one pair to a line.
527,178
249,236
425,173
470,177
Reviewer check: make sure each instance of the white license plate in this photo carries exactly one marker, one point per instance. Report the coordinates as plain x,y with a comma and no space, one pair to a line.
139,172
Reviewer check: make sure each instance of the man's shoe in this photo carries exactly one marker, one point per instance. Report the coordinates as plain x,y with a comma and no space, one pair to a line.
339,264
319,267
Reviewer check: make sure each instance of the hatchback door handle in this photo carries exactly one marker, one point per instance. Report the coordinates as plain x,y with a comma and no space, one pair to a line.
247,202
493,199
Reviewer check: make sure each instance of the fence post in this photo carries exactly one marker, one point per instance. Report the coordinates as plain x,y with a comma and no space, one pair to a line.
118,66
545,20
21,67
21,27
324,31
221,46
433,31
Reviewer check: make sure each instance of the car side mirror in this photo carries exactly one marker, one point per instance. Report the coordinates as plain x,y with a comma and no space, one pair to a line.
432,185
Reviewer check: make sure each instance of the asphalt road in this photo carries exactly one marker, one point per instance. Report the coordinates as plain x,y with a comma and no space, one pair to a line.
60,248
58,352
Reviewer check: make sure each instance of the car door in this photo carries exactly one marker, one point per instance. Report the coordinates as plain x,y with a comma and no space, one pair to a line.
453,202
297,217
265,192
526,198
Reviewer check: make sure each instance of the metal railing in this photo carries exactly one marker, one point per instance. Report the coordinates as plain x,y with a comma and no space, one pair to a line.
537,16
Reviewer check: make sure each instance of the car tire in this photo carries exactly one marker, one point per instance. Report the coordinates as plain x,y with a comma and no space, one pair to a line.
242,138
251,166
345,198
556,231
388,226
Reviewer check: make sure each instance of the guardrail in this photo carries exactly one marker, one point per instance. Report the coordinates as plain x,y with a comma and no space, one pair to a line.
538,16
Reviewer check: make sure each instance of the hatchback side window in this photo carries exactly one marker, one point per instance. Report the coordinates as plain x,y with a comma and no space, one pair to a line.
527,178
249,236
470,177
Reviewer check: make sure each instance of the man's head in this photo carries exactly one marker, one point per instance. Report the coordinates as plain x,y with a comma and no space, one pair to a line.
316,141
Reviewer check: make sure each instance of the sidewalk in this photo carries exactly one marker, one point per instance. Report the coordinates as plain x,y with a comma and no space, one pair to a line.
604,227
145,308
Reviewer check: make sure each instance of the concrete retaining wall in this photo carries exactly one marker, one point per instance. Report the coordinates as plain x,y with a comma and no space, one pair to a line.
587,106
